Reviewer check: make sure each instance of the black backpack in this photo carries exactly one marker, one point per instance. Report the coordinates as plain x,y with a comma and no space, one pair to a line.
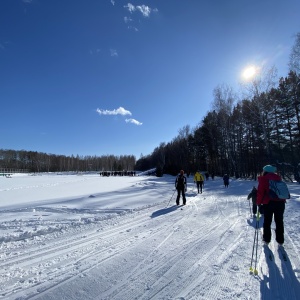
180,181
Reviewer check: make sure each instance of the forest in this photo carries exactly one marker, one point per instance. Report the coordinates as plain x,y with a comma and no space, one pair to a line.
35,162
239,139
241,133
238,136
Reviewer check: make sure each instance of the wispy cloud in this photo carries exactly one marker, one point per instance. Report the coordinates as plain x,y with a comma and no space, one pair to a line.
130,7
95,51
144,9
133,121
114,53
133,28
127,19
119,111
27,1
112,2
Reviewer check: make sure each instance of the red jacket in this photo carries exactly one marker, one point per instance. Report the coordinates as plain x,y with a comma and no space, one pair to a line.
263,188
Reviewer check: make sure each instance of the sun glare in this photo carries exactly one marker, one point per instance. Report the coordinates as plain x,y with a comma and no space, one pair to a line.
249,72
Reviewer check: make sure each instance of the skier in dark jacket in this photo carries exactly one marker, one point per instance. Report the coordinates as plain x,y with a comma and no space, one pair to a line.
253,196
181,186
226,180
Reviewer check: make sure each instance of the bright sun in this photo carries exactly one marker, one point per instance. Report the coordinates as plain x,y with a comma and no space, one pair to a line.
249,72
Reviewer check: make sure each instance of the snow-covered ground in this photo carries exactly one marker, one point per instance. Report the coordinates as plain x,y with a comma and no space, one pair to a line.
91,237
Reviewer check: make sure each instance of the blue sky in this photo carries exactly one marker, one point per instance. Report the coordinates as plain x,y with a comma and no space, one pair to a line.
97,77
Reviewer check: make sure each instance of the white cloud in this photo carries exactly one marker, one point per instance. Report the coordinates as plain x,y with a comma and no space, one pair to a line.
133,121
114,53
144,9
112,2
130,7
27,1
119,111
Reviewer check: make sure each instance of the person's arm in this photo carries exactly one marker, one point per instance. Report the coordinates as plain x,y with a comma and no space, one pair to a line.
261,190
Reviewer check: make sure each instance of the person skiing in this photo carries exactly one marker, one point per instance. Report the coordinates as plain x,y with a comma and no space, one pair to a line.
253,195
226,180
272,205
199,179
181,187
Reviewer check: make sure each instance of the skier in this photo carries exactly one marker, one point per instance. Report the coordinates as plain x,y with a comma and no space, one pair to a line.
272,206
253,196
226,180
181,187
199,179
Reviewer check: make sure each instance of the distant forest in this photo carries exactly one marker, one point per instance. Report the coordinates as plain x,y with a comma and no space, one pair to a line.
238,136
43,162
239,139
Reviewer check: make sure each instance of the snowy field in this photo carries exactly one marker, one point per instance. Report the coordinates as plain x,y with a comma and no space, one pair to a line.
90,237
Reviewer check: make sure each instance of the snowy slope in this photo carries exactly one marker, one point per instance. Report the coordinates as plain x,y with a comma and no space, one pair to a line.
91,237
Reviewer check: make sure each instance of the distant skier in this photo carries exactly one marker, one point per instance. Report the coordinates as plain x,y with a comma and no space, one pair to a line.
181,187
253,196
226,180
199,179
207,175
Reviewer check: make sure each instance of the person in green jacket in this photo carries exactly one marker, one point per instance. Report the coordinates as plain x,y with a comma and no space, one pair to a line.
199,179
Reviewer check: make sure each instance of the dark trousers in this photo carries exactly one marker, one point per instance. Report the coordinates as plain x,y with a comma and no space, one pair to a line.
275,208
254,208
199,186
180,191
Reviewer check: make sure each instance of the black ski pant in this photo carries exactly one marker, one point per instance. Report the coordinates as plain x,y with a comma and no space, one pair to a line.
275,208
254,208
182,192
199,186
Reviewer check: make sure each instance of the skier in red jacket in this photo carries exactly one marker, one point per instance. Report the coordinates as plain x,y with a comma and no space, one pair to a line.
272,206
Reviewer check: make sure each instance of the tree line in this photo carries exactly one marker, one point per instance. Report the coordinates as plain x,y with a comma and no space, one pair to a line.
43,162
240,136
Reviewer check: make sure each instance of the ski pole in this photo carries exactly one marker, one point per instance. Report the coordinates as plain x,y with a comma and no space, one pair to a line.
255,241
170,199
249,207
257,222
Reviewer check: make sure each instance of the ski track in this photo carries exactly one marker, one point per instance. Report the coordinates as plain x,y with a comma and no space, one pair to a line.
97,257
